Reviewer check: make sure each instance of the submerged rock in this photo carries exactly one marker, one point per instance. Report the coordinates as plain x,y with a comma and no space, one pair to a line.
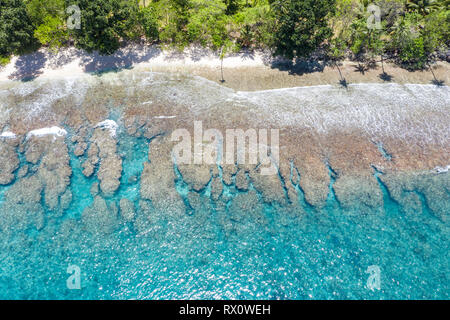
94,189
65,200
326,145
80,149
127,209
22,207
90,164
100,218
196,176
103,150
245,215
158,179
359,195
54,171
216,188
241,180
418,191
270,186
23,171
9,161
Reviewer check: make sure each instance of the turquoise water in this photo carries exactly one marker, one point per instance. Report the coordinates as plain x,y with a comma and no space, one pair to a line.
219,254
226,249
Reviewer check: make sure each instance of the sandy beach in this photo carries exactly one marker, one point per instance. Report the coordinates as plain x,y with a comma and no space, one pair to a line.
244,71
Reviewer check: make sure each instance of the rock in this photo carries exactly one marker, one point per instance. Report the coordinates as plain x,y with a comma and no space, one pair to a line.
88,168
109,174
304,153
195,200
110,169
359,195
196,176
52,156
158,179
228,171
92,160
270,187
35,148
80,149
94,189
436,189
22,207
65,200
23,171
241,180
216,188
133,179
93,153
9,161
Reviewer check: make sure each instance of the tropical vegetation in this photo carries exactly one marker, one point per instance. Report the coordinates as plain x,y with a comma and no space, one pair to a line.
412,33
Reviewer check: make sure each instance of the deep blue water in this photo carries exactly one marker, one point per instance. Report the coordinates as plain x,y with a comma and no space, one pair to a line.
209,254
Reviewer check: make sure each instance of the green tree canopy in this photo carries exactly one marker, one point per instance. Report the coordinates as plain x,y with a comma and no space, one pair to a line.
104,23
301,25
52,32
413,32
423,7
149,22
16,29
39,10
207,23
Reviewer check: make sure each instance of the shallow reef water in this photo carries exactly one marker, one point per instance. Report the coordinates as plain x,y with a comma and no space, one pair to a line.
220,250
323,254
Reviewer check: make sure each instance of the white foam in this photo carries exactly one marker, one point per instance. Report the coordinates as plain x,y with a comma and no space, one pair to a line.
8,135
164,117
442,169
56,131
416,113
110,125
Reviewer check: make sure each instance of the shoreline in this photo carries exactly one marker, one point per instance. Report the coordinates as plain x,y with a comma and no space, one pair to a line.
244,71
371,135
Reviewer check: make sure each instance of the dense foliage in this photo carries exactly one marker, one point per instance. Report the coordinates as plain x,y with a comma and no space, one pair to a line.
410,32
301,26
16,29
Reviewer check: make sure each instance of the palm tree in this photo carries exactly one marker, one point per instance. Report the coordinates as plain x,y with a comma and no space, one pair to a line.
442,4
425,7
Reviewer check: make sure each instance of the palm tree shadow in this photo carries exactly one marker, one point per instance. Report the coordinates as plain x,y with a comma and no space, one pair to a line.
385,77
343,83
439,83
436,81
361,68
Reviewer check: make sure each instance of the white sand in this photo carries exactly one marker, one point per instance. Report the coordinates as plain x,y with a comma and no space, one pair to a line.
72,62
